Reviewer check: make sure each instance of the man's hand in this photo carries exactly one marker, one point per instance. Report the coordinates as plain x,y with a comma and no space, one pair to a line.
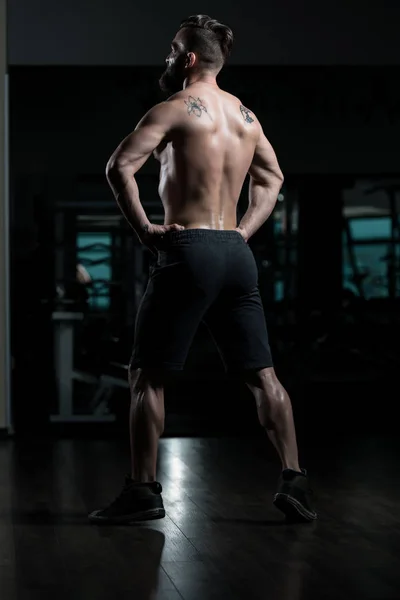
243,233
152,234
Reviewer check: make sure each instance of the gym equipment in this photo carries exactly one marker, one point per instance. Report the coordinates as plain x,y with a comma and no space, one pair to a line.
64,330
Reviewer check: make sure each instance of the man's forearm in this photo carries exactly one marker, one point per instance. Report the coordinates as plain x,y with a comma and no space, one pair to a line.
262,200
126,192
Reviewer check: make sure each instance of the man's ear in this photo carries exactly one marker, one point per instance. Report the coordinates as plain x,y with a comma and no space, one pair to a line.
191,59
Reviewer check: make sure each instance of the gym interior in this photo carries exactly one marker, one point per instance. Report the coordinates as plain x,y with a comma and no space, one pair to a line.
74,83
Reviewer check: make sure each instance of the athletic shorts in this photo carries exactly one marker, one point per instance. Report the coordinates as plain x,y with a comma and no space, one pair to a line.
209,276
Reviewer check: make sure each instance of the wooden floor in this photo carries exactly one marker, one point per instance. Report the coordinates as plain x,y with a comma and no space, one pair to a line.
222,538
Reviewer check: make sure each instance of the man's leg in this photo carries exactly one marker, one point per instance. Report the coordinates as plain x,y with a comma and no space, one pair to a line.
146,422
275,415
294,495
140,499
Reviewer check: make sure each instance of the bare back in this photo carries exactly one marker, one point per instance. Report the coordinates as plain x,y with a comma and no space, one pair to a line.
206,158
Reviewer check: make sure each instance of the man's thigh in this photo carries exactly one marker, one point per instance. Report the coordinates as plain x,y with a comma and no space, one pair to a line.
239,330
167,319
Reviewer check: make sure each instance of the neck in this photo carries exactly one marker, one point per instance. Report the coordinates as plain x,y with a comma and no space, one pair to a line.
200,78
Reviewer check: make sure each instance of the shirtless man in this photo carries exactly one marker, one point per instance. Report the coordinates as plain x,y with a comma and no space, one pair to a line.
206,142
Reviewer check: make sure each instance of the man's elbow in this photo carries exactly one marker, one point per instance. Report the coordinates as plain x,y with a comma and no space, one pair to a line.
276,181
279,177
271,179
281,182
113,167
117,170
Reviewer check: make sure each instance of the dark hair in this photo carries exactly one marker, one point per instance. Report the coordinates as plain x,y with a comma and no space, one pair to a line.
210,40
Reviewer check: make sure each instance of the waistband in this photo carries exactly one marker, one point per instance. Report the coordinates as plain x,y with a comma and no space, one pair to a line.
206,235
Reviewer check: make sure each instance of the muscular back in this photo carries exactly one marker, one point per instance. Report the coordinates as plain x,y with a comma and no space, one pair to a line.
206,157
206,142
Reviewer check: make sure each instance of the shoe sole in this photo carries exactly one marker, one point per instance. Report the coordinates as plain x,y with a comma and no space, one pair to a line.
293,509
146,515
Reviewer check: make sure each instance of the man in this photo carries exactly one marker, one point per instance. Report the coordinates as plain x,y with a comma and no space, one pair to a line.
206,142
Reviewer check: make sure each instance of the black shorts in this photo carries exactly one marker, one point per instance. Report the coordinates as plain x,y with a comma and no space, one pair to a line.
202,275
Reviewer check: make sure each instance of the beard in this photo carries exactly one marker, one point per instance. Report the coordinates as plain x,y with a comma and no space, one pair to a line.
171,81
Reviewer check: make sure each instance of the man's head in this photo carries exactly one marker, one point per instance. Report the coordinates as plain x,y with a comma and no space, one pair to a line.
201,45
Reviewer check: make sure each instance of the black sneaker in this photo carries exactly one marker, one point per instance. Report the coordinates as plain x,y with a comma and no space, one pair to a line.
136,502
293,497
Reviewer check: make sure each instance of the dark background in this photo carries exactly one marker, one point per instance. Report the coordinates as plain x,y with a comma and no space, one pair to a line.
81,32
324,82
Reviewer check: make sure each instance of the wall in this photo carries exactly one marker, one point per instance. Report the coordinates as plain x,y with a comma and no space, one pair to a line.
320,120
123,32
4,374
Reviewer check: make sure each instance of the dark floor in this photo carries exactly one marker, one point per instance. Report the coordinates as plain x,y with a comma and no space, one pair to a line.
222,538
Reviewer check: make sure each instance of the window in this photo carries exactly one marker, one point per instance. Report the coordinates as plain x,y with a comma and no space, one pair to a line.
94,253
368,257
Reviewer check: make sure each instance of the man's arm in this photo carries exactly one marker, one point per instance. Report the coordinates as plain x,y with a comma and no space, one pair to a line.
266,180
131,155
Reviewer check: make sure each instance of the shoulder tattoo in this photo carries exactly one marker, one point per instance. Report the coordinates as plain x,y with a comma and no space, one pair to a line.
246,114
196,107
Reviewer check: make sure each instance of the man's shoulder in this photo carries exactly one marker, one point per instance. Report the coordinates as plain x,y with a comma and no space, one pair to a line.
167,110
169,106
192,101
175,97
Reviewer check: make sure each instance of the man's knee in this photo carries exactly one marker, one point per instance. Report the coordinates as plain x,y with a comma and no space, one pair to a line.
266,383
142,378
269,395
262,379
